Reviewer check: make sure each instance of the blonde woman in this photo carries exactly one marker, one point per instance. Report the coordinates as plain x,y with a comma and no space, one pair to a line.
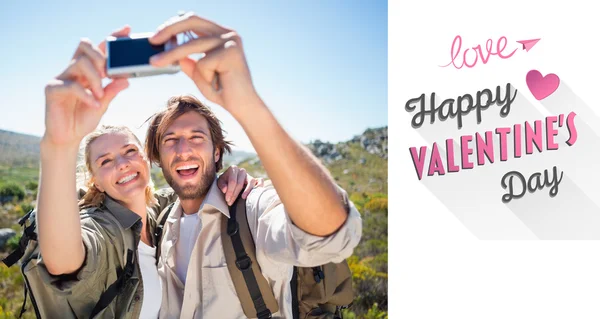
83,241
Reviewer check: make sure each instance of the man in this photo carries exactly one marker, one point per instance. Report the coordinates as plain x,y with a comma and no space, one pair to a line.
301,219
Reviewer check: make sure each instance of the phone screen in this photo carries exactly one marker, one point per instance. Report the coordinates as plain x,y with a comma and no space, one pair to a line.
129,52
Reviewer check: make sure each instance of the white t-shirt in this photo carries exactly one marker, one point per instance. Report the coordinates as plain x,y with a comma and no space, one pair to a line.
152,284
189,230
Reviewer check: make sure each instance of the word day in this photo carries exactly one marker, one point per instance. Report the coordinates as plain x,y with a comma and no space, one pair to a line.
487,146
517,185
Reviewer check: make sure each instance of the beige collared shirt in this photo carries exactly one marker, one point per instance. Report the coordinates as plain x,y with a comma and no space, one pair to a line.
209,291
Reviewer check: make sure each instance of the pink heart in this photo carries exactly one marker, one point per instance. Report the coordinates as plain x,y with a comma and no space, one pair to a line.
542,86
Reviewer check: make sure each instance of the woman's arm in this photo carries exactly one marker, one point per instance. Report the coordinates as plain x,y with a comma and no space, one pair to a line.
59,226
75,102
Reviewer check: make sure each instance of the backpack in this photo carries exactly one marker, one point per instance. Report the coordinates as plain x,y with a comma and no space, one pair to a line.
27,253
317,292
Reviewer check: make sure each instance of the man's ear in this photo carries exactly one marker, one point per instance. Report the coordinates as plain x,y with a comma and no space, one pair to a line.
217,154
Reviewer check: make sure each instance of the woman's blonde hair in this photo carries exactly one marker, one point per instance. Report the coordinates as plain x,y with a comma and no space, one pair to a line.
94,197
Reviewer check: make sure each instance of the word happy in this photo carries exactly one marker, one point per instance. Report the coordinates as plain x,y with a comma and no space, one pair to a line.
459,107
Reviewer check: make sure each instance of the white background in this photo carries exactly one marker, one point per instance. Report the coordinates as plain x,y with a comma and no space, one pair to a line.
438,269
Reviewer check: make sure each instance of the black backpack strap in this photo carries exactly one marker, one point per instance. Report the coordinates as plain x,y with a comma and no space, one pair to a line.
158,231
244,264
24,300
28,234
318,274
294,288
115,289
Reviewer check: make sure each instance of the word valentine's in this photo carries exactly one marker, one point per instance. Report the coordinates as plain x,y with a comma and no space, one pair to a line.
492,145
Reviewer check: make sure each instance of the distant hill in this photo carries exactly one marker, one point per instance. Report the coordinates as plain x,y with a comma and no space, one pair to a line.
358,165
236,157
19,149
20,155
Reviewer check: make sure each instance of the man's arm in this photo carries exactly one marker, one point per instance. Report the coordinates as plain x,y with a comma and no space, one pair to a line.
305,187
223,77
277,239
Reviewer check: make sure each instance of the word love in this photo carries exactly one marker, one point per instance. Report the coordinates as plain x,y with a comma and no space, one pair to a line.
459,57
518,186
489,145
459,107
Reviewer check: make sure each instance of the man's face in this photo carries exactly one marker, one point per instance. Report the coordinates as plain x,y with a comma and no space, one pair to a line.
188,156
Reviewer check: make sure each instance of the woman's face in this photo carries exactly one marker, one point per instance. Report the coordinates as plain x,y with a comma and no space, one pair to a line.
119,167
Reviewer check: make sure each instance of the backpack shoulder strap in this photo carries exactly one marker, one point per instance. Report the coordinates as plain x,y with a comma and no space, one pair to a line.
253,290
158,230
124,271
115,288
28,234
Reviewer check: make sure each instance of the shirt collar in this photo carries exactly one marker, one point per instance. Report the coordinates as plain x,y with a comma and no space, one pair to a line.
213,202
124,216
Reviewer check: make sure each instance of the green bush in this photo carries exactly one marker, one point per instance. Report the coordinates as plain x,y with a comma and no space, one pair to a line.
370,287
13,243
372,247
380,263
359,200
11,293
376,313
12,190
32,186
377,205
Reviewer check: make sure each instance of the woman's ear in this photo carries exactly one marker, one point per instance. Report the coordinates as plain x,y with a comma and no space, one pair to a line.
98,187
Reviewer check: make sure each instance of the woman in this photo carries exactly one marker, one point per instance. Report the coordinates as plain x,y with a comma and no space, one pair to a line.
97,253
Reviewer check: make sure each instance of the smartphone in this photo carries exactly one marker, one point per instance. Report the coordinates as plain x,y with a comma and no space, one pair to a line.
129,57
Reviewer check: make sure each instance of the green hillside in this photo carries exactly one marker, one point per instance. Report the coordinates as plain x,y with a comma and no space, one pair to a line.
359,166
19,157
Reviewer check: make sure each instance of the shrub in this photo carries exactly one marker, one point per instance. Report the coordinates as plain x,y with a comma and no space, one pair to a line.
11,293
12,190
370,287
23,209
372,247
32,186
359,200
13,243
376,313
380,263
377,205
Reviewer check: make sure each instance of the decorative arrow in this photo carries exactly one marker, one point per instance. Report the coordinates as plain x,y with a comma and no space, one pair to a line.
528,44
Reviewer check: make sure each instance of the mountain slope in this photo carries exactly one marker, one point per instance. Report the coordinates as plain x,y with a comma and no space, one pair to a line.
358,165
20,155
19,149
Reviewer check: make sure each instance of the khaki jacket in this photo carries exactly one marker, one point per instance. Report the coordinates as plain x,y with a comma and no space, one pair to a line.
75,295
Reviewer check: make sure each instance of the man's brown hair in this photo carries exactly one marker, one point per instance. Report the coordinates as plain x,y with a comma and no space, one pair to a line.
177,106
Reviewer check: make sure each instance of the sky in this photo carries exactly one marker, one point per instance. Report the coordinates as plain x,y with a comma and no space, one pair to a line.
320,66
